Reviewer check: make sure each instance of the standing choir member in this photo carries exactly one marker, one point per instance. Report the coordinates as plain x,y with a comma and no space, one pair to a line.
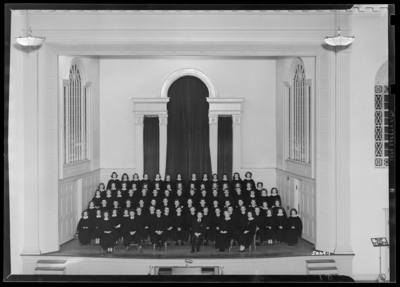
124,223
260,224
207,222
169,181
109,198
157,229
107,237
179,227
270,199
85,228
132,231
97,199
91,210
135,180
277,205
294,228
206,181
146,182
158,180
179,180
247,230
248,179
97,233
198,229
124,179
280,225
169,225
236,180
114,179
195,181
224,232
120,198
144,224
269,227
214,226
116,218
124,188
275,195
102,189
226,181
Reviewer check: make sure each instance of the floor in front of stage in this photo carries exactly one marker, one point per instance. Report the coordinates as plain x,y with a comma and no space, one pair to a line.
74,249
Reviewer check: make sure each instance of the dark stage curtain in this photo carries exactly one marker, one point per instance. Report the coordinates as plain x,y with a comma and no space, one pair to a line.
151,146
188,145
225,146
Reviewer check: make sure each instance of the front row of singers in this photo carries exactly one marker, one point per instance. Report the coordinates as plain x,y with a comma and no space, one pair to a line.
224,228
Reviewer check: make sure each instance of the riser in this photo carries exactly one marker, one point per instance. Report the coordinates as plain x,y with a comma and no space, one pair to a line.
321,265
51,265
50,272
321,272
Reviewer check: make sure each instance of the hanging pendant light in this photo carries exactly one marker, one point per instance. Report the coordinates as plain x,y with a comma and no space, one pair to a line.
339,40
29,41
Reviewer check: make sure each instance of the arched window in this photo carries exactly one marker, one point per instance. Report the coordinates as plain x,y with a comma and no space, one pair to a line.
382,117
75,116
298,101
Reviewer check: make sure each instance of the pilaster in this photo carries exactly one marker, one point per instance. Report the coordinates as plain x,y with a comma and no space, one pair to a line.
163,122
213,122
237,142
139,144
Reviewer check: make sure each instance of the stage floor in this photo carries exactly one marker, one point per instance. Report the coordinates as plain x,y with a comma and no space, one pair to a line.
73,249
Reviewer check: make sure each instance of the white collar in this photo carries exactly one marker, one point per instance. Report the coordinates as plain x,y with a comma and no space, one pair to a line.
106,219
98,216
85,217
294,215
227,218
279,215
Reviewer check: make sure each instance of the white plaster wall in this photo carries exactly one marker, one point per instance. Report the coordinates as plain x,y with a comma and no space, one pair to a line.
92,70
369,185
250,78
16,148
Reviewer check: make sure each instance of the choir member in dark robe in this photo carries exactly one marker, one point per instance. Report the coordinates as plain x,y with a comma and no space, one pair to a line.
135,180
294,228
117,207
202,205
104,206
239,205
215,182
97,220
102,189
224,232
207,222
145,196
155,204
132,231
269,227
168,196
144,224
270,199
124,189
206,182
151,215
259,187
189,217
116,218
238,194
156,195
179,180
97,199
227,204
85,228
225,186
180,192
252,196
91,210
280,225
214,226
226,196
169,224
114,179
133,196
107,237
145,210
198,228
275,195
124,222
248,179
157,229
177,204
113,190
247,230
236,180
203,192
240,221
120,198
214,195
214,206
252,206
263,196
178,222
276,207
264,207
194,197
169,181
166,203
128,204
158,180
260,224
146,182
109,198
195,181
124,179
226,181
168,187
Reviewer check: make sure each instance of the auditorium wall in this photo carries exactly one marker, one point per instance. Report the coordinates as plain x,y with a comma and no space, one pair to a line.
368,185
121,79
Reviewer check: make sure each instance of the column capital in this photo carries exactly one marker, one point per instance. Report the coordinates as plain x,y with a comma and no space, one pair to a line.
213,119
139,119
236,119
163,119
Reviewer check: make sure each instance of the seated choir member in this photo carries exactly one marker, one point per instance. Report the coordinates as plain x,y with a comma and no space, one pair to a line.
109,197
238,194
280,225
214,195
128,204
124,179
114,179
97,233
167,195
247,230
260,224
158,228
189,217
107,237
179,193
91,210
198,228
144,224
224,227
275,195
215,186
113,189
248,179
116,206
168,187
252,196
102,189
294,228
236,180
151,215
264,207
135,180
179,231
207,222
132,231
177,204
85,228
124,222
206,181
269,227
179,180
214,226
116,218
168,223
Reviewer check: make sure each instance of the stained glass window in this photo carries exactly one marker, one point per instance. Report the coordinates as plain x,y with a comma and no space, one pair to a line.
381,125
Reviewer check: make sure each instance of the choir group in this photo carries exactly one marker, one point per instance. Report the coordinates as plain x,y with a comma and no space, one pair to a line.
223,212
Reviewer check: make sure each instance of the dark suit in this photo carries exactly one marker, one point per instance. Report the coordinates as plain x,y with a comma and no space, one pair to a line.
198,227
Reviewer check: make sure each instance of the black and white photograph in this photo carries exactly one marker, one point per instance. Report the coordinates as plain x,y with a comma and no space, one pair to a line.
163,143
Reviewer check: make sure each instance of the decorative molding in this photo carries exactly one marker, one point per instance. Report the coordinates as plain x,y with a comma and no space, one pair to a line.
212,92
213,119
225,106
139,120
163,119
237,119
382,73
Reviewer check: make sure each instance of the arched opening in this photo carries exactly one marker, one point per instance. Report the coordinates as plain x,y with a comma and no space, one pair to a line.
188,147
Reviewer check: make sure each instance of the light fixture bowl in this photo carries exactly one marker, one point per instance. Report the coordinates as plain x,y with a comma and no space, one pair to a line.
339,40
29,41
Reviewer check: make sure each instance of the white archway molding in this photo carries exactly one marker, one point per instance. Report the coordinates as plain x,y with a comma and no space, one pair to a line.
212,92
381,77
